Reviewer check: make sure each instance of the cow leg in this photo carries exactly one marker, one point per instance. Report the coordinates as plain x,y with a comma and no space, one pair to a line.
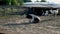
35,19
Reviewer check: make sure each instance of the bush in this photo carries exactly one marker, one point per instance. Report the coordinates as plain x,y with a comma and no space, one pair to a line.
14,2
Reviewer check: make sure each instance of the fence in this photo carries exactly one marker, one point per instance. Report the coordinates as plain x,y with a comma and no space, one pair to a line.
6,10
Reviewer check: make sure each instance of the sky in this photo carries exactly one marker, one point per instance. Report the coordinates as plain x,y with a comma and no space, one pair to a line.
55,1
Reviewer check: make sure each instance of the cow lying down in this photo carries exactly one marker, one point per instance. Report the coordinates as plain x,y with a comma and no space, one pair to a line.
34,18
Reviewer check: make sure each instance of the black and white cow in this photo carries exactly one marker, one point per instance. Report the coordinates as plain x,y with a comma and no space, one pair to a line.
45,13
54,12
34,18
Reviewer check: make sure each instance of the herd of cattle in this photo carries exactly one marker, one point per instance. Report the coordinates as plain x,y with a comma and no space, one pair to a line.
36,19
54,12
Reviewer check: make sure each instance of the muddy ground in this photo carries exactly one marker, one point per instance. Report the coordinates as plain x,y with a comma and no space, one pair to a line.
19,25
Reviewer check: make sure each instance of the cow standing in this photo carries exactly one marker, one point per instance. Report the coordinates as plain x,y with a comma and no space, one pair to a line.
54,12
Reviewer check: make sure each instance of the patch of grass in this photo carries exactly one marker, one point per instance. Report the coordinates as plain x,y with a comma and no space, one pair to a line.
3,16
10,16
6,16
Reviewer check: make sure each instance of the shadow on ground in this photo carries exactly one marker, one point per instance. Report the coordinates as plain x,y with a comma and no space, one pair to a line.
15,24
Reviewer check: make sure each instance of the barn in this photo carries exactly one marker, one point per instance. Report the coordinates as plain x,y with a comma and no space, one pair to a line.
38,8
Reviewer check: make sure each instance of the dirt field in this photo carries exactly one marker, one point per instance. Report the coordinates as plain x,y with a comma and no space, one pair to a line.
19,25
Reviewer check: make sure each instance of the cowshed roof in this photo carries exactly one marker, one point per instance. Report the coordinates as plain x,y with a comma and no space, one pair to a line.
41,4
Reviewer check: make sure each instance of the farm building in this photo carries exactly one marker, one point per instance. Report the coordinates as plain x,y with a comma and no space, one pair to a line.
38,7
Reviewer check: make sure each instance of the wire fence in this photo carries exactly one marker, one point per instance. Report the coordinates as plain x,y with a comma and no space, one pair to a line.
8,10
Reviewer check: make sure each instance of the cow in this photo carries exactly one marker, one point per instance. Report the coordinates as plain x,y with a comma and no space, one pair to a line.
54,12
34,18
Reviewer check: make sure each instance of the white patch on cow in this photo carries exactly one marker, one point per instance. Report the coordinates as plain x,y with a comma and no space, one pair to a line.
55,12
46,13
33,17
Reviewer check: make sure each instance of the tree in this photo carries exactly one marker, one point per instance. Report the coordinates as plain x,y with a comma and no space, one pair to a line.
21,2
8,2
43,0
27,0
14,2
37,0
17,2
11,2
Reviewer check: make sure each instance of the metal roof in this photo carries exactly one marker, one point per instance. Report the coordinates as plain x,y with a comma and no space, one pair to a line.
41,4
